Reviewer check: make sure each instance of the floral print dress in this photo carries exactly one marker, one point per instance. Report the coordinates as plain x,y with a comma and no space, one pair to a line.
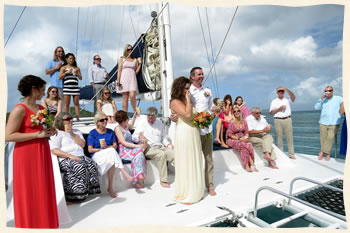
135,155
245,148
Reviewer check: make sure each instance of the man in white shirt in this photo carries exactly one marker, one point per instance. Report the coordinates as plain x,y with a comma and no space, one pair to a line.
259,135
280,108
98,76
203,101
159,147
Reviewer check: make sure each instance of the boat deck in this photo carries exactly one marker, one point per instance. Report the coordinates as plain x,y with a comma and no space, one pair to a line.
235,189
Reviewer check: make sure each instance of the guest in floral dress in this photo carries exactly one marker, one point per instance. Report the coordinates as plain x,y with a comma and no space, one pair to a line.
238,139
129,150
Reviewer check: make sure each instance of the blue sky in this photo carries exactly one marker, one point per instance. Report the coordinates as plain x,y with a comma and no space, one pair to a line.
266,47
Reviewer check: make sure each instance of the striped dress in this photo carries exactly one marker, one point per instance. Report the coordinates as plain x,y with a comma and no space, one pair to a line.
70,85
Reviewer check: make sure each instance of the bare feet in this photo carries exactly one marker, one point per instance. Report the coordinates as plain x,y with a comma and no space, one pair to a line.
141,177
186,203
268,158
69,203
217,140
272,164
129,178
292,157
247,168
255,169
211,192
112,193
165,184
320,155
328,157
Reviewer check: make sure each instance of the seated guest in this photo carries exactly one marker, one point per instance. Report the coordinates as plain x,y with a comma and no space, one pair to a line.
52,102
129,150
105,104
102,145
151,132
259,135
224,118
238,138
245,111
79,172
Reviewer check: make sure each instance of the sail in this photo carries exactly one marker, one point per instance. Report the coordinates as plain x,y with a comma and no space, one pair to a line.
148,80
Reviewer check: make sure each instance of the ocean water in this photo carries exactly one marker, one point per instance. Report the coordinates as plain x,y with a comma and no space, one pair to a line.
306,133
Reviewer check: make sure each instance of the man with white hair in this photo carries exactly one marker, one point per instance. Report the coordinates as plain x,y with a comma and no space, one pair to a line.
280,108
159,148
259,135
330,119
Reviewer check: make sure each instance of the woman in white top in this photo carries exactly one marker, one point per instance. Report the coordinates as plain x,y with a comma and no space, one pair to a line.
105,104
80,176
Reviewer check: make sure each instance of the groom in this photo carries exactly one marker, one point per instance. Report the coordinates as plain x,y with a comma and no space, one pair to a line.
203,101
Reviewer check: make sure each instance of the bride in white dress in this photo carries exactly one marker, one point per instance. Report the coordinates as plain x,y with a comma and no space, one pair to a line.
189,178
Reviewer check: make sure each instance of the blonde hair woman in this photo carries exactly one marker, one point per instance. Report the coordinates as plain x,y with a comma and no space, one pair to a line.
105,104
128,69
238,139
52,102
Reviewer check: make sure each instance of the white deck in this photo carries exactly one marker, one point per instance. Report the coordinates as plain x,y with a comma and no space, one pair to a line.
235,189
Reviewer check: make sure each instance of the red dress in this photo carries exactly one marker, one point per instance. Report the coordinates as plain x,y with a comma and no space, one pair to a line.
33,180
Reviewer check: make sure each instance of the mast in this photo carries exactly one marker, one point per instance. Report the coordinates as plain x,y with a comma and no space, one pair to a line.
166,68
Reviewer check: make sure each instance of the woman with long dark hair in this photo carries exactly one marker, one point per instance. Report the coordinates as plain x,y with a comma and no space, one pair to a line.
33,179
189,177
70,73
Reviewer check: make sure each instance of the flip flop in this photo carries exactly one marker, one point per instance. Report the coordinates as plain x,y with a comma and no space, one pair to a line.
320,156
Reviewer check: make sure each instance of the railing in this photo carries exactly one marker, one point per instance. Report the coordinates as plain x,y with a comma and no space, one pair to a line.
294,199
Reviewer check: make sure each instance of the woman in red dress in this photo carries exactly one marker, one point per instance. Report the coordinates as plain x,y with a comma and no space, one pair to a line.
33,180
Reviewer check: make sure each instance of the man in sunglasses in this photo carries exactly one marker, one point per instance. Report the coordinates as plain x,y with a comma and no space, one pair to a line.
259,135
280,108
151,131
53,69
330,119
98,76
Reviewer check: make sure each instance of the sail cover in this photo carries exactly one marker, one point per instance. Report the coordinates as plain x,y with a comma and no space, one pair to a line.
148,80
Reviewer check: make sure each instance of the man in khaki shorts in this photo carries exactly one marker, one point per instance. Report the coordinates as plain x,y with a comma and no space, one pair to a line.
280,108
159,147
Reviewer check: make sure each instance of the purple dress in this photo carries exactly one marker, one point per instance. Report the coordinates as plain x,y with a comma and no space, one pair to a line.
135,155
128,77
245,148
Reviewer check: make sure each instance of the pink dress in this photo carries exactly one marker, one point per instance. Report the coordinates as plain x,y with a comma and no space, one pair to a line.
245,148
245,111
128,77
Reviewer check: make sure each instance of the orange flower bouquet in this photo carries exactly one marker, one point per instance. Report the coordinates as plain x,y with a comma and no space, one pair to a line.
42,117
203,120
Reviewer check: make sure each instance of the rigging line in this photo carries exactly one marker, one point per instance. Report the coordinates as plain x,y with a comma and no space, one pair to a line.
13,29
212,53
132,23
111,76
205,42
223,42
77,35
104,29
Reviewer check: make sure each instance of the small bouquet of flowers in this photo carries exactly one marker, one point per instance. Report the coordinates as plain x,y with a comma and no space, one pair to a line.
203,120
42,117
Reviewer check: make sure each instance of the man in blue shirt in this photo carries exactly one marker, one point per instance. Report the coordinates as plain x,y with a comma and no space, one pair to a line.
329,105
53,69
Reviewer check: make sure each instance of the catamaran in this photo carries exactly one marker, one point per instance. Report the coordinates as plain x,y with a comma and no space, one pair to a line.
305,192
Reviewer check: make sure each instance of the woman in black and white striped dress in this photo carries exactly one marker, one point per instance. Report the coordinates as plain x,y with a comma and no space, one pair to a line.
70,73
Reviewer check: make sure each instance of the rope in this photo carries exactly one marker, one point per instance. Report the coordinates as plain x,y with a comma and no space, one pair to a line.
212,54
222,43
13,29
76,43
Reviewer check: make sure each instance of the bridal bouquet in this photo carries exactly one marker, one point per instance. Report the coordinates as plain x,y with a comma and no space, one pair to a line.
203,120
42,117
